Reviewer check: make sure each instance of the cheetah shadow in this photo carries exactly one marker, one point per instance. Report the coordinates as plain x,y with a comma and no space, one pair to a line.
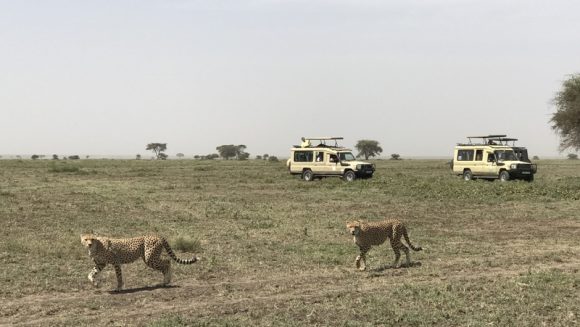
141,289
389,267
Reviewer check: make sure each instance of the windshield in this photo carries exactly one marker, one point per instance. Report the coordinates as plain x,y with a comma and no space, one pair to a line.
505,155
346,156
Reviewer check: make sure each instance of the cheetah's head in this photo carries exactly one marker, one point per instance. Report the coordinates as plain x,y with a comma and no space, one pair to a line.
353,227
90,242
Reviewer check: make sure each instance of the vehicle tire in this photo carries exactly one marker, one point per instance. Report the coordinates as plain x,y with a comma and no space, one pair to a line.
504,176
307,175
349,176
467,175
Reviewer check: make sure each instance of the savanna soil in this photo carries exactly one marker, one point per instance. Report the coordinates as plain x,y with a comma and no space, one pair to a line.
275,250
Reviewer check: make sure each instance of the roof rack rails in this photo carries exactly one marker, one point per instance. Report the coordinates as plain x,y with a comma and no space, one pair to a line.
323,140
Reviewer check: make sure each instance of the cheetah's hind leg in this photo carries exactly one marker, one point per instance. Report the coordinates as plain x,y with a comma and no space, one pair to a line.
167,274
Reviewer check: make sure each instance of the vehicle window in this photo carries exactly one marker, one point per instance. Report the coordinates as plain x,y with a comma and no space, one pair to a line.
346,156
303,156
333,158
478,155
522,154
507,155
319,156
465,155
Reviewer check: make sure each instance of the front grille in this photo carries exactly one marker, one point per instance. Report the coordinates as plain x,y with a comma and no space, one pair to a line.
525,166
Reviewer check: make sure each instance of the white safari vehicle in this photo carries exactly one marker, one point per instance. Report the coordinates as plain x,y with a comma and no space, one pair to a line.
492,157
315,159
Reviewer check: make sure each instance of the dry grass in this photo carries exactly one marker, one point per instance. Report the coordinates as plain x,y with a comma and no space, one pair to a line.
275,249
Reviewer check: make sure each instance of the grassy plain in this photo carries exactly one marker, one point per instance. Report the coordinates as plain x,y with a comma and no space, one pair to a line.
275,251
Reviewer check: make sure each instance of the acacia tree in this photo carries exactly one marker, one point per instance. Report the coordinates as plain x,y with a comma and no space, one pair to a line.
232,151
566,120
368,148
158,149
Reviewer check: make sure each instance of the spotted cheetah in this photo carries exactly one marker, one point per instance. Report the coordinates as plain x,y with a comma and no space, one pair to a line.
376,233
104,250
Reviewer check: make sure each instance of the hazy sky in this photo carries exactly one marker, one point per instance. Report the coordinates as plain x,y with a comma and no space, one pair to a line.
108,77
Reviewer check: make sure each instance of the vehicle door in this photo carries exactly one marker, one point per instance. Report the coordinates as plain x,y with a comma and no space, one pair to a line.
302,159
319,165
491,168
334,167
463,160
479,166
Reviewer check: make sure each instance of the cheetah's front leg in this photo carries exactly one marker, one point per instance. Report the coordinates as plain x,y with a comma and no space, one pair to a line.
94,274
361,257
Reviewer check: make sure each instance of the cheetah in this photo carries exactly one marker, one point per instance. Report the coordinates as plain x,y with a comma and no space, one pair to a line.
376,233
104,251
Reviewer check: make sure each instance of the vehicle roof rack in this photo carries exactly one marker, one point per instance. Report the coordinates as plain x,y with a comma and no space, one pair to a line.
485,139
504,140
494,139
323,140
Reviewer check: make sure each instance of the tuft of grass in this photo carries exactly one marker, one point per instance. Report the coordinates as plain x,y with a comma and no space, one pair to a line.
186,244
63,168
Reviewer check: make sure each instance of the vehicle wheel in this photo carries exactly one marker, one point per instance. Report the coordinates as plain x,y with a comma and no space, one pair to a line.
349,176
467,175
307,175
504,176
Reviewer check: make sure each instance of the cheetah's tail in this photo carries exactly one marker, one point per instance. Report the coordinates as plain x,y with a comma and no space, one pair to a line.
406,236
174,257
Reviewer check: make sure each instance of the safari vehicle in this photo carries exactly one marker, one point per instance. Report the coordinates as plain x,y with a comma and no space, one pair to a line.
324,160
492,158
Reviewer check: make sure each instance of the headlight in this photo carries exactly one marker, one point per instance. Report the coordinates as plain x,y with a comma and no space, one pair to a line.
358,167
513,166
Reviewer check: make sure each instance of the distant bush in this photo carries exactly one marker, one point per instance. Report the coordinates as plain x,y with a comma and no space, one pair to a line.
572,156
210,156
34,156
273,159
536,158
74,157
